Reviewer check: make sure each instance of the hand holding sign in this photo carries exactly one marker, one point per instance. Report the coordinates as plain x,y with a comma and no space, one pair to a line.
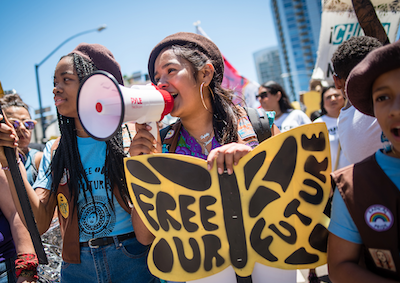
270,210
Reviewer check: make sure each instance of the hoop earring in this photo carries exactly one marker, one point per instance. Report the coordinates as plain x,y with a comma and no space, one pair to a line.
201,95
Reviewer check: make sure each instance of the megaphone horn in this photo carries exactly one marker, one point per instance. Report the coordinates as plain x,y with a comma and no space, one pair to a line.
103,105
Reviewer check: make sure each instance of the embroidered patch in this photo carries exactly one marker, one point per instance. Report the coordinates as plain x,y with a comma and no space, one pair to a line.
63,205
169,134
245,129
64,178
383,259
379,218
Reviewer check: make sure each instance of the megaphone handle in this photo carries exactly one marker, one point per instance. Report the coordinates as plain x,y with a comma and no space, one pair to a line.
154,130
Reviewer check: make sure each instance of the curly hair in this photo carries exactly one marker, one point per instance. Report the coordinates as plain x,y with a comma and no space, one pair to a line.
225,113
67,155
12,100
351,52
273,88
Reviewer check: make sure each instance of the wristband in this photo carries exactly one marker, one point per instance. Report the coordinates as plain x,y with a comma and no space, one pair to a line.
25,265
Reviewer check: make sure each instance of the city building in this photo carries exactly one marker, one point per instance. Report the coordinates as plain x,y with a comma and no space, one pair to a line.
268,66
297,25
137,78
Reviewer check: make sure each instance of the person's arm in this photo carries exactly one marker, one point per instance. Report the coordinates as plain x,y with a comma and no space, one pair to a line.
226,156
20,234
343,257
143,235
274,130
369,21
304,118
42,206
142,143
38,158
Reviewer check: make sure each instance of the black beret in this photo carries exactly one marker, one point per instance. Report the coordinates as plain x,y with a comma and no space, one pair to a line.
201,43
101,57
362,77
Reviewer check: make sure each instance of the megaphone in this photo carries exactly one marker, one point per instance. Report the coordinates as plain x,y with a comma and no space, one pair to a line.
103,105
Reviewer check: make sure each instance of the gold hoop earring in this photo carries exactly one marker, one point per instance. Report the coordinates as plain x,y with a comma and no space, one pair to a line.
201,95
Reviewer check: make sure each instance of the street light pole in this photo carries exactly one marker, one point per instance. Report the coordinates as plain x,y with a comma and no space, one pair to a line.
37,75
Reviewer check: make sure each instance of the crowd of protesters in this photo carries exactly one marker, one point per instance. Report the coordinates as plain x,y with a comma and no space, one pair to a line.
77,176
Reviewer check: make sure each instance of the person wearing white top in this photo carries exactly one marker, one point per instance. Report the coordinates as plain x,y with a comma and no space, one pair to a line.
360,135
352,123
273,97
332,100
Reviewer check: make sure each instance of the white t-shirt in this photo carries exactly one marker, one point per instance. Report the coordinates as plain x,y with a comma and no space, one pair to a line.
291,119
331,124
359,134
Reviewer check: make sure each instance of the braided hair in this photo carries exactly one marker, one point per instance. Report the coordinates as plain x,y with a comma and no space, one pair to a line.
225,113
67,158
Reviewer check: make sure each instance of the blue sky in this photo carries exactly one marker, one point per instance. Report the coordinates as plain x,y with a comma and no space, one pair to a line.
30,30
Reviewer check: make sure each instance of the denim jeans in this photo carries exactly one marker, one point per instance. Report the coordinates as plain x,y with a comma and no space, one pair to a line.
7,271
124,261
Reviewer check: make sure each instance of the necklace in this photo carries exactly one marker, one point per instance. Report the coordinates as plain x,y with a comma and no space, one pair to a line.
204,144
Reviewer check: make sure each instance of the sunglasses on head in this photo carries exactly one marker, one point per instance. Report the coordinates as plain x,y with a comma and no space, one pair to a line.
28,124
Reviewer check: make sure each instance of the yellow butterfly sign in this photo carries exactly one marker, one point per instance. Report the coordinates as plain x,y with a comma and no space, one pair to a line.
270,210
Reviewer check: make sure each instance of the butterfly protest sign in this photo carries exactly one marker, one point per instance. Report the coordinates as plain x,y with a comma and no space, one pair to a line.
270,210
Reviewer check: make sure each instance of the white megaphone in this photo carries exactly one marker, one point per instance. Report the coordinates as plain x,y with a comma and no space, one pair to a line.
103,105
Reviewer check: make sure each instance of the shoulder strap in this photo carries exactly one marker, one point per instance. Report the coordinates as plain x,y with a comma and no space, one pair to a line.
163,132
260,124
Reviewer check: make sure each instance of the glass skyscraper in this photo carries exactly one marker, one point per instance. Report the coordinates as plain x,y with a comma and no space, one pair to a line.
297,25
268,65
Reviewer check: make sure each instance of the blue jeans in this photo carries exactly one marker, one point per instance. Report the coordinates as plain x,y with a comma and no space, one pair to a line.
7,271
124,261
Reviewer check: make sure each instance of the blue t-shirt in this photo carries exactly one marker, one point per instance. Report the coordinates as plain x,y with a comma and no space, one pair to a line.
95,219
342,225
30,167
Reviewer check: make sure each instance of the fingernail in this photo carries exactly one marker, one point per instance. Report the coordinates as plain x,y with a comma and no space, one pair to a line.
220,171
208,167
229,171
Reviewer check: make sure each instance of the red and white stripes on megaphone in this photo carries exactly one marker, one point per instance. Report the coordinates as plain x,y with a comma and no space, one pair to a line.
103,105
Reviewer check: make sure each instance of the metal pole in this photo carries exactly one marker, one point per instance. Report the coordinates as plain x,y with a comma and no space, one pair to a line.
40,105
42,122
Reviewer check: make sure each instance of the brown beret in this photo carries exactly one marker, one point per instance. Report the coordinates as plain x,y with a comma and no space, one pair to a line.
101,57
362,77
201,43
